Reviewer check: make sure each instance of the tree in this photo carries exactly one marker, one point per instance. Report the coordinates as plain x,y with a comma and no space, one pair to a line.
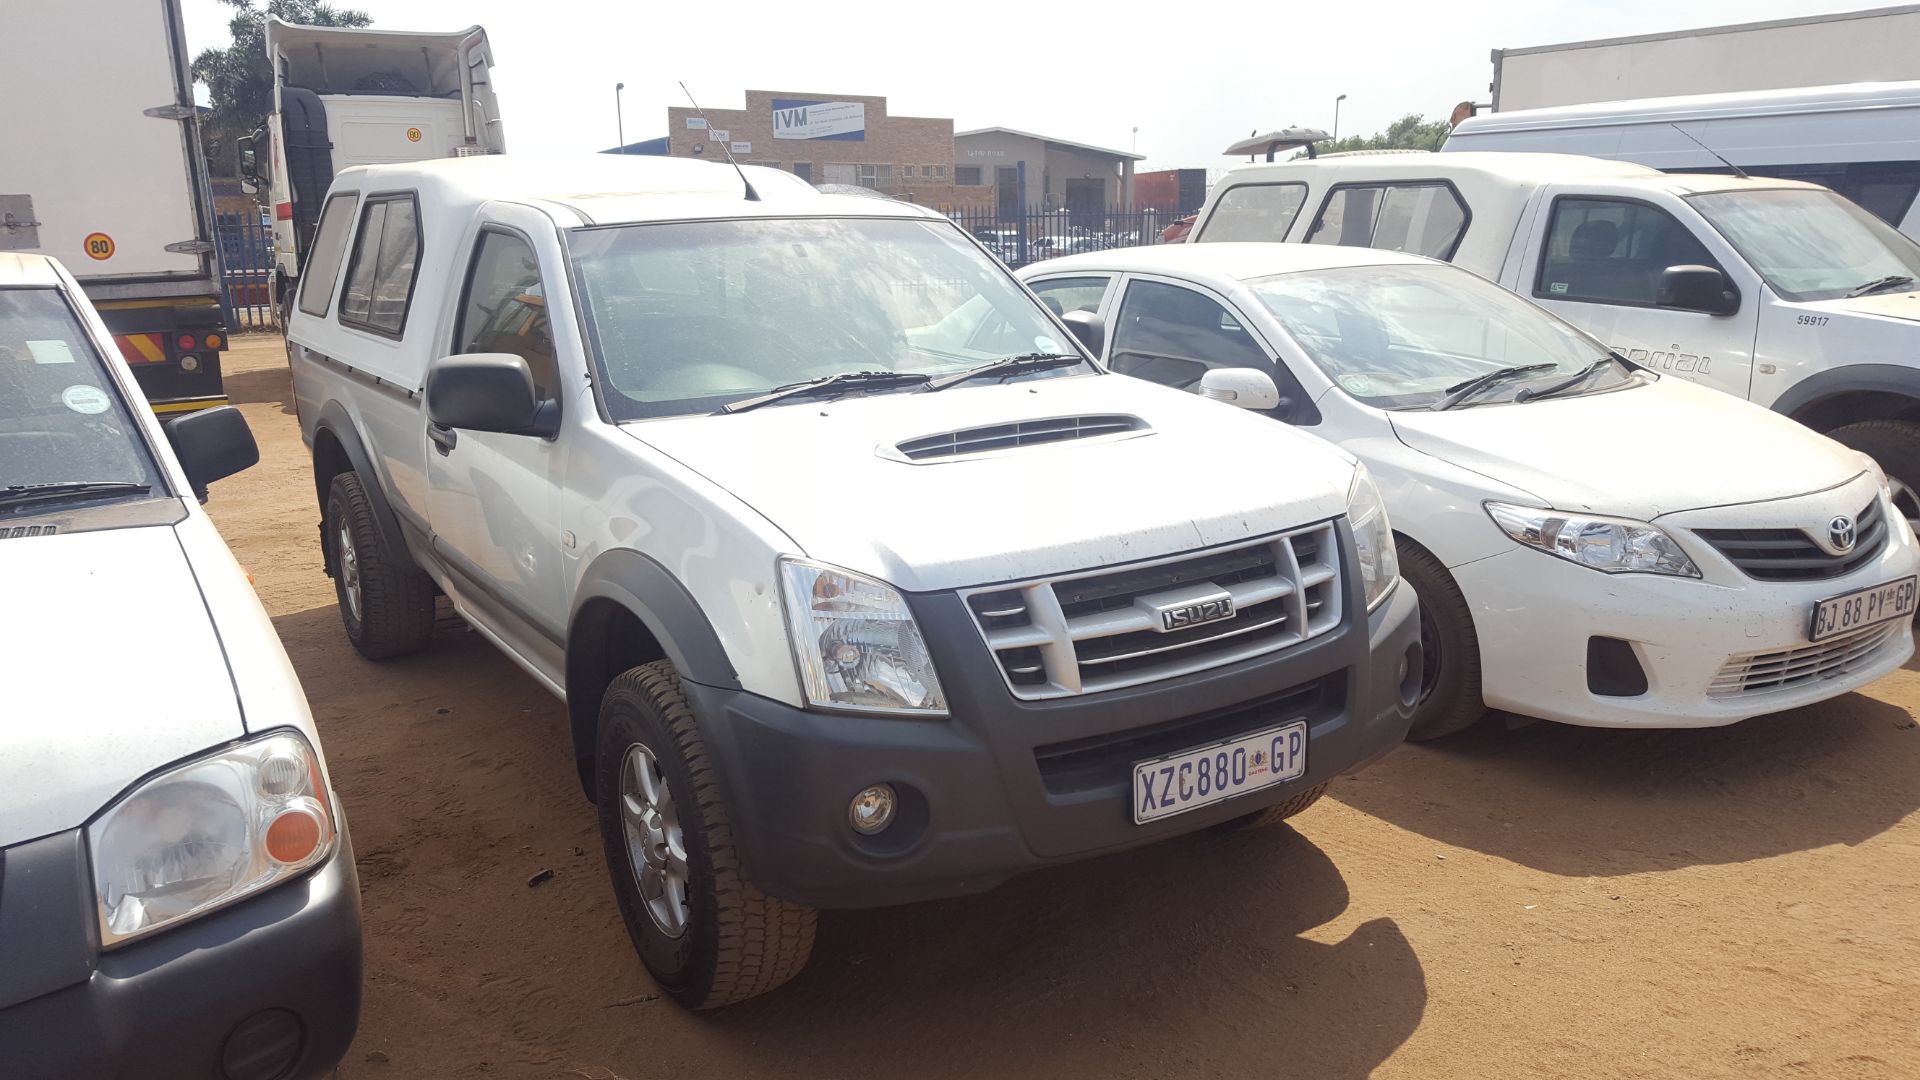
1411,132
238,77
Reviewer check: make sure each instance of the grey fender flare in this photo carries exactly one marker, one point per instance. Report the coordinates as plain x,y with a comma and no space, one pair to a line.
1881,378
663,605
335,422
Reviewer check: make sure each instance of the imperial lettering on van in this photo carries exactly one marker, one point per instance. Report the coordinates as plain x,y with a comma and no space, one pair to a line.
1668,359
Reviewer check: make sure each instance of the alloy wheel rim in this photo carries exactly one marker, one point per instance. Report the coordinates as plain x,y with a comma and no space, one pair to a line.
350,571
656,845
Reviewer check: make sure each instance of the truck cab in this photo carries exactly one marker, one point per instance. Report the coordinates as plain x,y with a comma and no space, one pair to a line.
861,580
344,97
1776,291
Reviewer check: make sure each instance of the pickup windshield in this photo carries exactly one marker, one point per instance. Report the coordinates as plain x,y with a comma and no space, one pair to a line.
693,316
1810,244
63,423
1400,335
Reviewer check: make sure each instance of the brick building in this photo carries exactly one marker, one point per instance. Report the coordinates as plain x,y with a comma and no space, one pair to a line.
829,139
1059,174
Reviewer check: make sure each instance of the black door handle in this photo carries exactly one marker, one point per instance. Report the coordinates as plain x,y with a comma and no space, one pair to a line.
443,437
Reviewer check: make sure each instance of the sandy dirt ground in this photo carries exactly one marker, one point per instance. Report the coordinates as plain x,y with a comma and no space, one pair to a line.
1546,902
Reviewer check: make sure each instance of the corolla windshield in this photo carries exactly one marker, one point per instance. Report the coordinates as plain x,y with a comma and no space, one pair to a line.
1811,244
693,316
65,430
1407,335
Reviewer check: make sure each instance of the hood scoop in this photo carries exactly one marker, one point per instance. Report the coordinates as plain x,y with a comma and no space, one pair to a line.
994,438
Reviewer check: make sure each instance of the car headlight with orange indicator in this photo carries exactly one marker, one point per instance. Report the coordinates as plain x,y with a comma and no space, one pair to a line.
207,833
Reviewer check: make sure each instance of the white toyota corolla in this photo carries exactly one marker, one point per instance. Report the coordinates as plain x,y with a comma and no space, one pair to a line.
1592,543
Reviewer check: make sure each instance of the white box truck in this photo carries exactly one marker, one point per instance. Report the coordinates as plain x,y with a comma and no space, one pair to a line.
347,97
102,169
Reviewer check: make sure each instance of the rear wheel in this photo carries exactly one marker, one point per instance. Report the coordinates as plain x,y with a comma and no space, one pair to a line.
1450,651
385,604
1895,446
705,934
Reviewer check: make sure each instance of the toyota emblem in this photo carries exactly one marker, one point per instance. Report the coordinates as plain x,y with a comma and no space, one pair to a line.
1840,533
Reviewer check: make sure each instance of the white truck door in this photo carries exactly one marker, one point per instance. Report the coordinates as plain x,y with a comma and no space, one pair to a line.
1596,259
493,500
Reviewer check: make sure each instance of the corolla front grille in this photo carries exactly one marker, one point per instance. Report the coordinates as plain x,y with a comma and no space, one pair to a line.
983,440
1106,629
1792,555
1783,669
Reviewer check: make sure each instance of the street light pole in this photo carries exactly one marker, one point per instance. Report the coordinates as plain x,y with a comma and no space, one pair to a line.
1336,115
620,121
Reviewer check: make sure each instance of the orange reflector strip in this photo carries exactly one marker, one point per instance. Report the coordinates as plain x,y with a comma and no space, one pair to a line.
293,836
142,348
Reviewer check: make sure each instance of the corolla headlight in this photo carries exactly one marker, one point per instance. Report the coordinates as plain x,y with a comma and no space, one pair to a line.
202,835
1612,545
1372,536
856,643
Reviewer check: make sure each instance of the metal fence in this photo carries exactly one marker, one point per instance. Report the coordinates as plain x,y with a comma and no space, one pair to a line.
246,260
1043,234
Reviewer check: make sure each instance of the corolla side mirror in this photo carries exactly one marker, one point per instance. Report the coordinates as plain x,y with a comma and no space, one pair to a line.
1249,388
1091,329
488,392
1696,288
212,444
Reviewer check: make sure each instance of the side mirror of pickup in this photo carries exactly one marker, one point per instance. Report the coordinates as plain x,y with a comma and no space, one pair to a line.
1089,328
1696,288
488,392
212,444
1249,388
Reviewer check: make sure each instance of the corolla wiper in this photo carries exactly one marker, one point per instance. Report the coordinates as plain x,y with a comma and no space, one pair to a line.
845,380
1459,392
1007,365
1529,394
15,494
1891,281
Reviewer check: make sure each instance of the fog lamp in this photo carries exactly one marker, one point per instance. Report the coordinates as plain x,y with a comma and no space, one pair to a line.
872,810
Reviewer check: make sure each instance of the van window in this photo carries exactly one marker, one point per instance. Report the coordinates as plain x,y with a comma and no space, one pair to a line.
1173,336
505,308
323,255
380,276
1071,294
1254,212
1420,218
1609,251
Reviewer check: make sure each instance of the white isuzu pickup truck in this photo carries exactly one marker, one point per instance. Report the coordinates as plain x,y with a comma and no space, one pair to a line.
861,580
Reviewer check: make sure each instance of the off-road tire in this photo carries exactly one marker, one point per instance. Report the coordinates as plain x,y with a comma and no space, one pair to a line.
739,942
396,597
1274,815
1895,446
1450,700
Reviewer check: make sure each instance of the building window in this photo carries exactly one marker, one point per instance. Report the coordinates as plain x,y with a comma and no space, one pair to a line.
803,170
877,177
966,175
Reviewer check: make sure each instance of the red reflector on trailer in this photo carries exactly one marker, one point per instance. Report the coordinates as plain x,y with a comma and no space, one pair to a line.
283,211
186,341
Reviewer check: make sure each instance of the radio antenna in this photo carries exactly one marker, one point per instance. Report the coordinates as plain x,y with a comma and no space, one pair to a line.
752,195
1737,170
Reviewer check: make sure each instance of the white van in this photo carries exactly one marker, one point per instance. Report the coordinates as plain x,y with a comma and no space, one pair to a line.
1860,139
1776,291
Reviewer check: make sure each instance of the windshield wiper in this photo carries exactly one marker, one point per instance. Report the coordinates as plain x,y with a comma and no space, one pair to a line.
15,494
1007,365
1529,394
845,380
1891,281
1459,392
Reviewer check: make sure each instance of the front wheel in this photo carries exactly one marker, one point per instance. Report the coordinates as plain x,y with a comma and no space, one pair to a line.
1450,699
1274,815
1895,446
705,934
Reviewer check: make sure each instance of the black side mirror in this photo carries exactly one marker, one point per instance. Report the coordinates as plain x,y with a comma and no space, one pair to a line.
1697,288
212,444
1091,329
488,392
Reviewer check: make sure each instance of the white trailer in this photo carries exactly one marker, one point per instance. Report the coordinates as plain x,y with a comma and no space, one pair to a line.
102,169
346,97
1877,45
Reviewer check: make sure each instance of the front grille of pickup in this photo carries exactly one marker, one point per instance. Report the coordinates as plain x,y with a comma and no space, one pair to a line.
1791,554
1090,632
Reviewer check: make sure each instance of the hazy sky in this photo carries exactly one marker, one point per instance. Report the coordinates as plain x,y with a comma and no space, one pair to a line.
1192,77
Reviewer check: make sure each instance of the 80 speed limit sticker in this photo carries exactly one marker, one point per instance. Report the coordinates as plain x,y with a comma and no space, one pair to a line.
98,246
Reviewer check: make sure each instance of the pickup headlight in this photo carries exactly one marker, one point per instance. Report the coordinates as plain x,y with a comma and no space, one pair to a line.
1612,545
205,834
856,643
1373,536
